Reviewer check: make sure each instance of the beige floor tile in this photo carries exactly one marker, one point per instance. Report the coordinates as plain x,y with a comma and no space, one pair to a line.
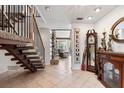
54,76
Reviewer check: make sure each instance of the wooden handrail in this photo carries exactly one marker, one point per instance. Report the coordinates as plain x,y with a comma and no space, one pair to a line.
38,38
38,30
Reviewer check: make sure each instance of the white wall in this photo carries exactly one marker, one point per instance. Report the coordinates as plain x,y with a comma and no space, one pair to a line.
5,61
45,35
83,30
105,23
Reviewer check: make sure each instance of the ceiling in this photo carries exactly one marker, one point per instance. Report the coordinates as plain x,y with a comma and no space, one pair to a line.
68,13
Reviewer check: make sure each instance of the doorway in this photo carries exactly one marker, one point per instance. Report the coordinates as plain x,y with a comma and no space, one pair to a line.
63,46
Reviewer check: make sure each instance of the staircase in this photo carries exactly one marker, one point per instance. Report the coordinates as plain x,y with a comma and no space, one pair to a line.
17,34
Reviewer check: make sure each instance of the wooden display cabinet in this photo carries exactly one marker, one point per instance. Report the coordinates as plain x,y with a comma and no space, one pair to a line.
111,69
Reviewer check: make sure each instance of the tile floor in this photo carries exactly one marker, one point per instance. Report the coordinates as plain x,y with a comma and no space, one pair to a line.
54,76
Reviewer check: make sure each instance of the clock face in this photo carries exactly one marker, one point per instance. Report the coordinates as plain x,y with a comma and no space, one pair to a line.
91,40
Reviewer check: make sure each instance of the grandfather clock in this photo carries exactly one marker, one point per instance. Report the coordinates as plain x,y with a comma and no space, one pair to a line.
91,50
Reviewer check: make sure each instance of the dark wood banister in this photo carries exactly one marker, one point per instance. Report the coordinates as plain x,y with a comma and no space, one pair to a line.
4,14
16,14
28,13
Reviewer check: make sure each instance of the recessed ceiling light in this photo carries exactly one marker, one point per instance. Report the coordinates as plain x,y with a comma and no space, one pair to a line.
90,18
47,8
97,9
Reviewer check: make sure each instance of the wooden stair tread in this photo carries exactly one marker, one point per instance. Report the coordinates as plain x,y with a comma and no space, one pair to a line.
8,54
25,48
40,67
38,64
35,62
33,57
14,59
18,62
29,50
29,53
25,68
22,65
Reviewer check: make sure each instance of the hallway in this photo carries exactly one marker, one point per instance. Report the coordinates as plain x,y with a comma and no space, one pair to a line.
54,76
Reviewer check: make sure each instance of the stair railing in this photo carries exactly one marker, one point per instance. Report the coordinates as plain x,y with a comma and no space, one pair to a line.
38,43
16,19
20,20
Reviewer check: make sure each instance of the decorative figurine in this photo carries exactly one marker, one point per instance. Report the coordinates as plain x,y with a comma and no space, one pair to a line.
117,35
103,41
110,43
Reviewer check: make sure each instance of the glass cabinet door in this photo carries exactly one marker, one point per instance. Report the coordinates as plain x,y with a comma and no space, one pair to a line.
111,75
91,56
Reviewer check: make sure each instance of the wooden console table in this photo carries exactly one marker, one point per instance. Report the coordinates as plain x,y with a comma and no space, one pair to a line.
111,69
